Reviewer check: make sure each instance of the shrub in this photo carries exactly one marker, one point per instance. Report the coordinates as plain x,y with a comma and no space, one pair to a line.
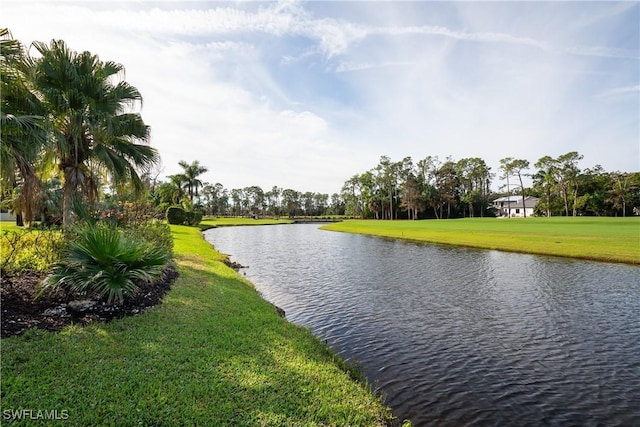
30,250
154,233
160,211
129,214
176,215
194,217
105,264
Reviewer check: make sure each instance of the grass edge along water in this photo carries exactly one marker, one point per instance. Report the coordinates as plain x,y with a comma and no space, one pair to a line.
593,238
213,353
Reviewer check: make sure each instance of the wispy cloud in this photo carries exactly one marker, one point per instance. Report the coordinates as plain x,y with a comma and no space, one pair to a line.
620,91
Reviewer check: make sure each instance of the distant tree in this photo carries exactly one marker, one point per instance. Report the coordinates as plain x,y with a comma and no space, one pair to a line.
622,186
593,184
255,200
447,184
411,199
212,194
336,205
545,178
320,202
427,172
273,200
190,175
387,173
351,196
475,178
515,167
291,202
237,199
568,172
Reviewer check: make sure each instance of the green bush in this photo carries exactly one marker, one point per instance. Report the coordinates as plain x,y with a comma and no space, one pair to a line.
176,215
30,250
103,263
156,234
194,217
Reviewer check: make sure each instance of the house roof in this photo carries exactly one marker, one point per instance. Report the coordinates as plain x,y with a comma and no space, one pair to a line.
508,199
516,201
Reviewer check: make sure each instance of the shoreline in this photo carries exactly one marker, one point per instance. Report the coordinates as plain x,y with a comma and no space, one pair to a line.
214,349
585,239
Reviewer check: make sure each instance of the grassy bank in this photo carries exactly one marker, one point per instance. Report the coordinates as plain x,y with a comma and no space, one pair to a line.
604,239
213,353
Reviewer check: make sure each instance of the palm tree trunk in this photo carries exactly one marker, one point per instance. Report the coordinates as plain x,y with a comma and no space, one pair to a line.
67,198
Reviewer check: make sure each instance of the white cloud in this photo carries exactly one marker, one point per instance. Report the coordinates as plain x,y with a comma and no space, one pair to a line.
284,94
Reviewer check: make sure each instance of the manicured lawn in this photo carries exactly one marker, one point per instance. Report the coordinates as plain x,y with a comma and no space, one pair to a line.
605,239
213,353
9,226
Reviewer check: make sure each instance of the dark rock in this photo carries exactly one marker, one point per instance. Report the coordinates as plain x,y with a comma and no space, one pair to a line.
58,311
280,311
235,265
82,306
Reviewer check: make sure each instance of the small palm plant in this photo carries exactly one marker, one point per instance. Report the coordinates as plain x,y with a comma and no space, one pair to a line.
105,264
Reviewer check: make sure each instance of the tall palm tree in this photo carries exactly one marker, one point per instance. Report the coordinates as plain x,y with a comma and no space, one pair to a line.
23,128
94,130
191,173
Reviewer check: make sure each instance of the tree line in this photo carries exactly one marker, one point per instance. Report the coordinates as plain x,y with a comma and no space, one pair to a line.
434,188
186,188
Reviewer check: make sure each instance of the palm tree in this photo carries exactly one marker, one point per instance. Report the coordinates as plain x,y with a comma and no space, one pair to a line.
177,181
94,130
191,173
546,178
23,129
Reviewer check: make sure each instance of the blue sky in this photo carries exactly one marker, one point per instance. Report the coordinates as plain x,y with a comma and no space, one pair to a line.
304,95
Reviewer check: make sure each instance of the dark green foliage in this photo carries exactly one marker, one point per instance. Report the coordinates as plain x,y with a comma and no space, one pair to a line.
178,216
105,264
194,217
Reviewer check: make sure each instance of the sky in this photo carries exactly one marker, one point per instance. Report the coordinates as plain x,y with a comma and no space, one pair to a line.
304,95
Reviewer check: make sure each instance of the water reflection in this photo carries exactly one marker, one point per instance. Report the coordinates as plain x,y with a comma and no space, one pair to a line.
456,336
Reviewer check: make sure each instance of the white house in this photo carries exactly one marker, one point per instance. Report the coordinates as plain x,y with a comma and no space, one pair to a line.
512,206
5,215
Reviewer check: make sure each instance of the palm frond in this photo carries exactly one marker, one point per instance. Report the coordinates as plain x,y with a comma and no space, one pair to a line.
102,262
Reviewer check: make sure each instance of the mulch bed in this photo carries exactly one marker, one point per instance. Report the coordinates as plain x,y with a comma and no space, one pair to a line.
21,312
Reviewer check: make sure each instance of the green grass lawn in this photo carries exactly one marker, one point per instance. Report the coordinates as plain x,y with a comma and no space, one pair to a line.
9,226
595,238
213,353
